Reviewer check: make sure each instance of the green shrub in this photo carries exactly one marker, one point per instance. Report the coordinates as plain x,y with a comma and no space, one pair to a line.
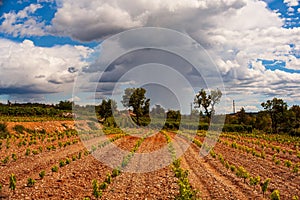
62,163
1,188
115,172
242,173
30,182
108,178
288,163
264,185
42,174
295,197
35,152
54,168
74,157
14,156
27,153
96,191
3,131
12,182
68,161
5,160
232,168
19,129
277,162
103,185
275,195
254,180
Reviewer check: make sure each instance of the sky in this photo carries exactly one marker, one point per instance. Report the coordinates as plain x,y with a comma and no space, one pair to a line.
48,48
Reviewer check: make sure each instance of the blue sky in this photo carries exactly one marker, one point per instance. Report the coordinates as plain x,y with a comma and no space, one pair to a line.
255,44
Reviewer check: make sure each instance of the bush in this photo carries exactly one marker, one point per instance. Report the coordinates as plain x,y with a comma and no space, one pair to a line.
1,187
68,161
5,160
108,178
103,185
62,163
3,131
96,191
27,152
115,172
30,182
275,195
242,173
54,168
42,174
14,156
264,185
19,129
288,163
12,182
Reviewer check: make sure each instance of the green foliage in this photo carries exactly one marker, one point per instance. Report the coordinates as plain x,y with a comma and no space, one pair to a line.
27,152
207,102
35,152
74,157
103,185
115,172
232,168
295,197
42,174
12,182
5,160
108,178
68,161
105,111
54,168
275,195
254,180
19,129
14,156
1,186
62,163
213,154
242,173
30,182
135,98
276,108
3,131
288,163
264,185
65,105
96,191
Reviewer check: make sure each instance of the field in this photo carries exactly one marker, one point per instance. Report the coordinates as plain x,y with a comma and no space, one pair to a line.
49,160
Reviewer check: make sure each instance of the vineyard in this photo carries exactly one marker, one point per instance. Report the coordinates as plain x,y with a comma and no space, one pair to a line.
48,160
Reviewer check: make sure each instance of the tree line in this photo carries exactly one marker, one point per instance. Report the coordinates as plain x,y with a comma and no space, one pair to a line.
275,116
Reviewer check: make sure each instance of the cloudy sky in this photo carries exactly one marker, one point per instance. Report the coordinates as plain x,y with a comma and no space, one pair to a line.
45,45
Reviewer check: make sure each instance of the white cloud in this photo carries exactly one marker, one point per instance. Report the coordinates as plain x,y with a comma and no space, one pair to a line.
298,10
22,23
27,69
228,29
290,9
291,2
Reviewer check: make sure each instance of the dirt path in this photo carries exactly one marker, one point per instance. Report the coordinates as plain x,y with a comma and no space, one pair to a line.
209,181
159,184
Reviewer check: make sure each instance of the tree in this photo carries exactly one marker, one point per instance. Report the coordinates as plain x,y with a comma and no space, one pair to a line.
106,108
135,98
208,102
242,118
65,105
276,108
